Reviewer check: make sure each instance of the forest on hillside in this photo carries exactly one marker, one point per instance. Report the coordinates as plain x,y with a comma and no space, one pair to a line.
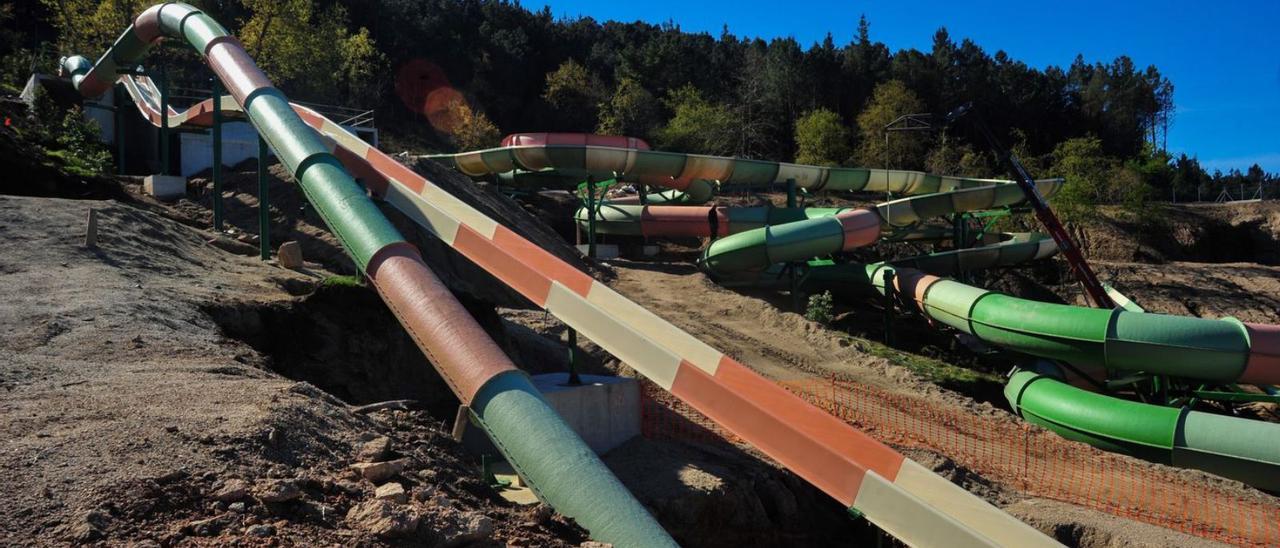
458,74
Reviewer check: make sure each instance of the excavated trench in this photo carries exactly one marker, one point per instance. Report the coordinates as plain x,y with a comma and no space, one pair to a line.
343,340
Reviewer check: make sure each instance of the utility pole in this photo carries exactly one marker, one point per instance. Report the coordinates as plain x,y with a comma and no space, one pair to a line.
1084,274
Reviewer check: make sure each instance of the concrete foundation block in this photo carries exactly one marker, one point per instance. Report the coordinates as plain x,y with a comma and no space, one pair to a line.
604,252
604,411
164,187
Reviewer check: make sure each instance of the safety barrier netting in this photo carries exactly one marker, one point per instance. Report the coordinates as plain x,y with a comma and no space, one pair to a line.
1014,455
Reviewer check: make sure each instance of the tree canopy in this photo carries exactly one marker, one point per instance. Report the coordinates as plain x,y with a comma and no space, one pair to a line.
700,92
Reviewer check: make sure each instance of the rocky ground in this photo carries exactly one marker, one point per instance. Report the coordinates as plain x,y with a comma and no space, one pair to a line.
129,416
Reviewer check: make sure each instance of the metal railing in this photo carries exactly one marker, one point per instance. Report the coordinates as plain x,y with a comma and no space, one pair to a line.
343,116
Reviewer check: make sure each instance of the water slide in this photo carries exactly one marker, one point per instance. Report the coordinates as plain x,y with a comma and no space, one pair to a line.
902,497
559,466
1223,351
751,242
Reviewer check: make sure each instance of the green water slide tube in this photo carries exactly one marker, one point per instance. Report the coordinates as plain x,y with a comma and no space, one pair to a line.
677,170
759,248
1240,449
699,191
1222,351
559,466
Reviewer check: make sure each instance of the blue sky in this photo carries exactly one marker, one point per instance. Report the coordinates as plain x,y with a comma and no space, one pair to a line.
1223,57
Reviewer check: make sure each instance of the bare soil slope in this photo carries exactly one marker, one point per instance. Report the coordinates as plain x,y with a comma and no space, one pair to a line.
126,412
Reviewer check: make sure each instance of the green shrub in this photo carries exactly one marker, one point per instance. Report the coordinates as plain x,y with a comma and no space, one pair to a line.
78,136
820,308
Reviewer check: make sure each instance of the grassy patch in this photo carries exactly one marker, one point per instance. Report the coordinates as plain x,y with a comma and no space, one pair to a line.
956,378
342,281
73,163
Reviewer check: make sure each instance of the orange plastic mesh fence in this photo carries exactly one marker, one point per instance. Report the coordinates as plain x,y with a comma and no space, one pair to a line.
1014,454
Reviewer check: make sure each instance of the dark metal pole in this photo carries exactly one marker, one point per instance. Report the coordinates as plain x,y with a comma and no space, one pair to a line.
791,193
264,203
574,380
217,154
890,306
119,113
1094,291
163,84
591,216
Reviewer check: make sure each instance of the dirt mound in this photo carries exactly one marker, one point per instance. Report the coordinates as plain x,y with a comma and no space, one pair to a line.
1203,233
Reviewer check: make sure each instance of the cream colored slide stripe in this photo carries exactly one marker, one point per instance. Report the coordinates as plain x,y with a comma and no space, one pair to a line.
912,520
938,492
639,352
650,326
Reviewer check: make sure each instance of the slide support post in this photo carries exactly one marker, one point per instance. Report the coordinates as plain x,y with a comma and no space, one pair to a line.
264,203
216,137
163,84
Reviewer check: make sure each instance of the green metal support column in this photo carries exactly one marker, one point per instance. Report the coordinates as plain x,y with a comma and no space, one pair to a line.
890,305
163,84
574,379
264,203
590,217
960,240
118,102
216,136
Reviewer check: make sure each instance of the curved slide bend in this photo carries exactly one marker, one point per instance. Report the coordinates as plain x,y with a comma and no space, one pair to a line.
559,466
676,171
698,191
1224,351
899,495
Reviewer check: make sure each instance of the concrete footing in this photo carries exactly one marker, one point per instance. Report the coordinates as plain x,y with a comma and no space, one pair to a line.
603,411
604,252
164,187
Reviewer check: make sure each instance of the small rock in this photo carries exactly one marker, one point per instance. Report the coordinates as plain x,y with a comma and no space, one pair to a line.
84,532
594,544
424,493
232,490
376,450
278,491
290,255
89,528
273,437
383,518
318,511
348,487
261,530
204,527
540,513
378,472
393,492
469,527
237,507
